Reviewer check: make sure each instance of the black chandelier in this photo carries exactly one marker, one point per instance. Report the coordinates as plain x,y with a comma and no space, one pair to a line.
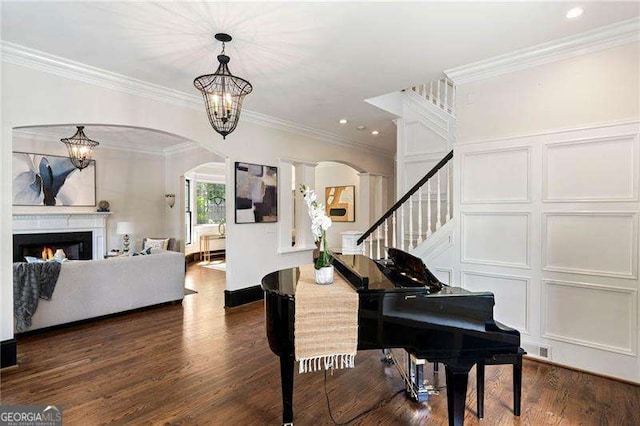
80,148
223,93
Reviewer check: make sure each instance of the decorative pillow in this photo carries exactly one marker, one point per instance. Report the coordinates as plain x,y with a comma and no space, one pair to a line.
31,259
143,252
156,243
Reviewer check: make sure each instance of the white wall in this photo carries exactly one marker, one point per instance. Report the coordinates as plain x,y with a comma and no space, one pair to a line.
33,97
546,205
334,174
597,88
132,182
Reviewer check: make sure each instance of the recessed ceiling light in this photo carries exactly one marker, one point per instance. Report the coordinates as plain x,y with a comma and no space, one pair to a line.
343,121
360,127
574,13
375,133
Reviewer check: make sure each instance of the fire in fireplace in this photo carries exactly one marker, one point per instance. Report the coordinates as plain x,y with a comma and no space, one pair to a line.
75,245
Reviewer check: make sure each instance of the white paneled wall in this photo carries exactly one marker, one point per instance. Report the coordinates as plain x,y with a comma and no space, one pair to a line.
549,224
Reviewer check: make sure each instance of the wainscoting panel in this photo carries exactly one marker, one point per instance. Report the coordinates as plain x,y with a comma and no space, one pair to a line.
497,238
445,275
415,170
417,133
596,316
496,176
592,243
511,295
603,169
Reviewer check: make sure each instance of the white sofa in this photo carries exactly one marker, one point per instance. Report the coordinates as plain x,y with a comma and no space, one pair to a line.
93,288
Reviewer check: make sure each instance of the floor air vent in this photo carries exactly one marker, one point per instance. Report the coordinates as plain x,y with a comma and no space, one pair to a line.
537,350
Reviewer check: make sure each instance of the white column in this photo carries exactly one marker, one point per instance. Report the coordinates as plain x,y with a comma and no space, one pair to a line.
305,174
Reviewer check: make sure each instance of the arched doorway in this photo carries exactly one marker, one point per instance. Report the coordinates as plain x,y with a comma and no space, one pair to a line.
204,228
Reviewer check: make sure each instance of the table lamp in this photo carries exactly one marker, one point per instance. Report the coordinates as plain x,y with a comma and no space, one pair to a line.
125,229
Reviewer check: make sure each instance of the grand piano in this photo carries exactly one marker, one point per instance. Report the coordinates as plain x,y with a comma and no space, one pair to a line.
401,305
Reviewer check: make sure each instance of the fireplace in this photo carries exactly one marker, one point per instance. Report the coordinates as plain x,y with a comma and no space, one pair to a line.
76,245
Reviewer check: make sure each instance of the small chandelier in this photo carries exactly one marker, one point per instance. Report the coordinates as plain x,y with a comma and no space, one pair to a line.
223,93
80,148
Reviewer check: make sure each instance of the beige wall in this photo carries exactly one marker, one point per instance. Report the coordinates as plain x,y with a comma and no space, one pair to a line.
591,89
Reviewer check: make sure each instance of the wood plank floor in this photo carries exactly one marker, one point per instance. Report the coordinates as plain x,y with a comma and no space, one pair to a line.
197,363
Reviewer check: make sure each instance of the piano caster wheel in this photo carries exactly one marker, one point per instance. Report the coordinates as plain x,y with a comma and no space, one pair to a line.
387,359
287,424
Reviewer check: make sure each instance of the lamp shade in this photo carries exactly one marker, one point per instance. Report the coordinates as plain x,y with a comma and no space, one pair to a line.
125,228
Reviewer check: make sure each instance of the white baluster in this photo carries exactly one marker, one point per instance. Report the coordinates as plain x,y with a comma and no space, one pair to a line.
402,227
438,95
438,203
419,239
394,230
431,90
429,208
410,222
370,239
446,95
448,192
379,241
453,102
386,235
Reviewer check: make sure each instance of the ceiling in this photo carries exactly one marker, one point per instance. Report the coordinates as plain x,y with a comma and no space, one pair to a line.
309,63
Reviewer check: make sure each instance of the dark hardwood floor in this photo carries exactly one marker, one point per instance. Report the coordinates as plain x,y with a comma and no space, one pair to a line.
197,363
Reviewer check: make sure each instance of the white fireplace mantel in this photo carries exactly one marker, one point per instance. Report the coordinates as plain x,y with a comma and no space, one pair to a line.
94,222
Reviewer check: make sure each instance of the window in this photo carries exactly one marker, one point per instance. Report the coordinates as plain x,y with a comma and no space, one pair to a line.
187,213
210,203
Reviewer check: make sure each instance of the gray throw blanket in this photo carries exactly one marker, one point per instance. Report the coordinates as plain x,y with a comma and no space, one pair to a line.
32,281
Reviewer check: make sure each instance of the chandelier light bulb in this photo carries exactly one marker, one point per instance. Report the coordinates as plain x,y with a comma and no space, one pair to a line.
574,13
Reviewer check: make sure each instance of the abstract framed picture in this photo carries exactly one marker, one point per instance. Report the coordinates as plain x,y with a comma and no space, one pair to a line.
51,180
256,193
340,203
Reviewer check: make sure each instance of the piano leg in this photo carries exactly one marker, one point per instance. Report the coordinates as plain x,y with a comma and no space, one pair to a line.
286,377
517,384
457,378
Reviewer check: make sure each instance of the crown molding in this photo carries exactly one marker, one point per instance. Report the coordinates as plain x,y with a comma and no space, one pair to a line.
617,34
35,59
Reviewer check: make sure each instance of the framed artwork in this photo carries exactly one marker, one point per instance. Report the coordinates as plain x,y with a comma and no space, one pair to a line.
340,203
51,180
256,193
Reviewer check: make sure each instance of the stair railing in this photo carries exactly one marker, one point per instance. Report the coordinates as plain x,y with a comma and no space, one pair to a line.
441,93
377,236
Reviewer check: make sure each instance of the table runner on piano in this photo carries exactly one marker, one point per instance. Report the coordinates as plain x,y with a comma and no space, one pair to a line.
326,323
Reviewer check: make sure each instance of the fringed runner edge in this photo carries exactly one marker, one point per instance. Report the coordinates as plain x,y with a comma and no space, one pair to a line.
327,362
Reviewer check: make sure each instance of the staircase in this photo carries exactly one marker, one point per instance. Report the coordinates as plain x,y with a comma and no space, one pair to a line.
426,208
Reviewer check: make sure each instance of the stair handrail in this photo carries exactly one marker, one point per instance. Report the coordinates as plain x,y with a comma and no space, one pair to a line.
406,196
